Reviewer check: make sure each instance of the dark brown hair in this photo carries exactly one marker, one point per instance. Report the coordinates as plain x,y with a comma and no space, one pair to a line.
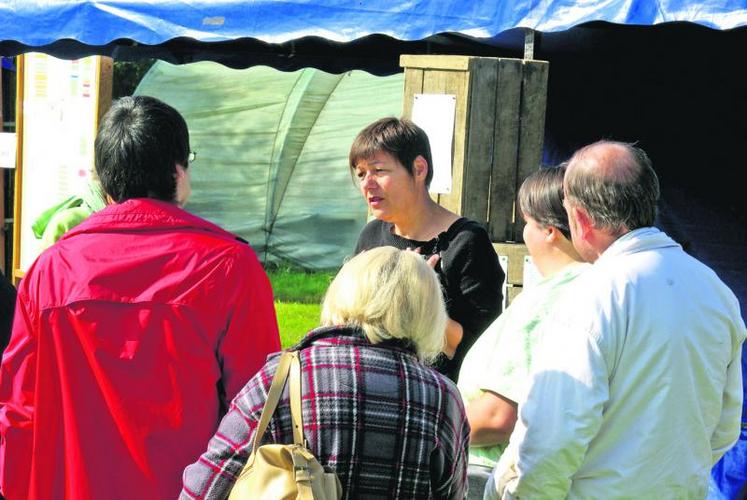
399,137
541,198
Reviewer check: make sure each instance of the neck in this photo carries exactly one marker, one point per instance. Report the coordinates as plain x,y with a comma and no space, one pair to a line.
558,258
605,239
424,220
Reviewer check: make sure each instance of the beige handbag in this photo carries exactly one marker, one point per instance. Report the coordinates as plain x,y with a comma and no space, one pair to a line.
284,471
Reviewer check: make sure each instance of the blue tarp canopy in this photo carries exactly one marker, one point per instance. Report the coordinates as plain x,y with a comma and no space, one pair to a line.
334,35
41,22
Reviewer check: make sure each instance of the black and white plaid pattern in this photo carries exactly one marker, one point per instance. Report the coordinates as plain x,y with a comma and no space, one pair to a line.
389,426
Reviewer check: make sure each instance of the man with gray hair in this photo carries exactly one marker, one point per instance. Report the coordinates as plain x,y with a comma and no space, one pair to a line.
637,389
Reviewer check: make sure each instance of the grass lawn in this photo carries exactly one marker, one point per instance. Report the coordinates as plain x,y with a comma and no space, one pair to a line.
298,297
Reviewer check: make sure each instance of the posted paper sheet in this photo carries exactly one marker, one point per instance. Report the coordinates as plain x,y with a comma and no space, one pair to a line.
434,113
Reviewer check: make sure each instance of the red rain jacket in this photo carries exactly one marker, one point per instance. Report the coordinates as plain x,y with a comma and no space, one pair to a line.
130,337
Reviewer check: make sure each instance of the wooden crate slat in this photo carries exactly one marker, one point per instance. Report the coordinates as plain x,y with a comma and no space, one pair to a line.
515,253
413,85
533,106
506,145
455,83
435,62
483,76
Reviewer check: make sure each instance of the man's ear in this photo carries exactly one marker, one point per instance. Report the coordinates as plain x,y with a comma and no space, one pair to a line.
420,168
583,221
179,171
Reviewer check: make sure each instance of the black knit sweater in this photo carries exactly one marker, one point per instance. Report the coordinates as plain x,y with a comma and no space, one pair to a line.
469,272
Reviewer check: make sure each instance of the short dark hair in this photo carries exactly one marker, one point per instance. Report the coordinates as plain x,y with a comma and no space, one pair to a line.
541,198
399,137
139,142
626,198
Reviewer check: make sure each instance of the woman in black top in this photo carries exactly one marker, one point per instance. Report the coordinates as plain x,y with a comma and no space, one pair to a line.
392,160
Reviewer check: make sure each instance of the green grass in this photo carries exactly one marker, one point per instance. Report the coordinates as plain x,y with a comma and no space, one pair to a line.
298,297
294,320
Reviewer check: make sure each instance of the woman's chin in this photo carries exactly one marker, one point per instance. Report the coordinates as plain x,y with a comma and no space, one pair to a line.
383,215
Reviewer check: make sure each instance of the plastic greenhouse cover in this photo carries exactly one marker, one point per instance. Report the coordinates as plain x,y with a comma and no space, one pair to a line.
272,152
41,22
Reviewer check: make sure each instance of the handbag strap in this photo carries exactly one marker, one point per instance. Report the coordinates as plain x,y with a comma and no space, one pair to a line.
289,362
273,396
295,400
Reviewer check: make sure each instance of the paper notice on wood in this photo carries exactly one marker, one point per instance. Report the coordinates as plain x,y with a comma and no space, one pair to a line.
532,275
7,150
434,113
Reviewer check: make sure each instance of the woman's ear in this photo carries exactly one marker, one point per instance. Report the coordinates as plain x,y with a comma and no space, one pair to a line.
420,168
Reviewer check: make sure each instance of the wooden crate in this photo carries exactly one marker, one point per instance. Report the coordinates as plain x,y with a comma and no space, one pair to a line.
498,130
515,253
512,257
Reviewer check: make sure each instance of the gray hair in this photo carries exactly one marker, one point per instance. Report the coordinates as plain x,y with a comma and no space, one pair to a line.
389,294
621,192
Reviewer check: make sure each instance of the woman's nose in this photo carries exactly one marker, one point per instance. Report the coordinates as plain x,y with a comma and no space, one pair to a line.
368,180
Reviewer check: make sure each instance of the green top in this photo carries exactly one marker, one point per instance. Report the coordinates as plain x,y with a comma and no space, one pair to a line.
60,218
501,358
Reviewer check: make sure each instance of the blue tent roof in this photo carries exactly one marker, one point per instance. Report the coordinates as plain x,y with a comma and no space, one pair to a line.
338,35
41,22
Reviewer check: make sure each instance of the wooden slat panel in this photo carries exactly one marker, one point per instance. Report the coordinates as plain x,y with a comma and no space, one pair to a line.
513,292
533,106
455,83
515,253
106,77
506,144
413,85
435,62
481,118
434,81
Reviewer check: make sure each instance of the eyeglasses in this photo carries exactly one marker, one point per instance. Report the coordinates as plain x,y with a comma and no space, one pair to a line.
192,157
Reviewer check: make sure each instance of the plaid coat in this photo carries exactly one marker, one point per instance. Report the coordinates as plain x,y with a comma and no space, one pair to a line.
389,426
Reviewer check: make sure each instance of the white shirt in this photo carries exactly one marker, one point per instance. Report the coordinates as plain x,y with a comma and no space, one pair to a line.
638,391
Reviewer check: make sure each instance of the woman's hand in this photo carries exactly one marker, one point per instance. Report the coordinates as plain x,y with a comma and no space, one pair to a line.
454,334
432,261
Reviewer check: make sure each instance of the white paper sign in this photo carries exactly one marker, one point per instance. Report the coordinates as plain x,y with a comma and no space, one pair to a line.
531,275
7,150
434,113
503,261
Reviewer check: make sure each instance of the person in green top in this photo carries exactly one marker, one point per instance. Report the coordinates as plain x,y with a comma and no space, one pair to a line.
62,217
497,367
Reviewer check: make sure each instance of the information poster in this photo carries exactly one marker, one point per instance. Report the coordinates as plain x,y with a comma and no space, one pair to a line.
60,106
